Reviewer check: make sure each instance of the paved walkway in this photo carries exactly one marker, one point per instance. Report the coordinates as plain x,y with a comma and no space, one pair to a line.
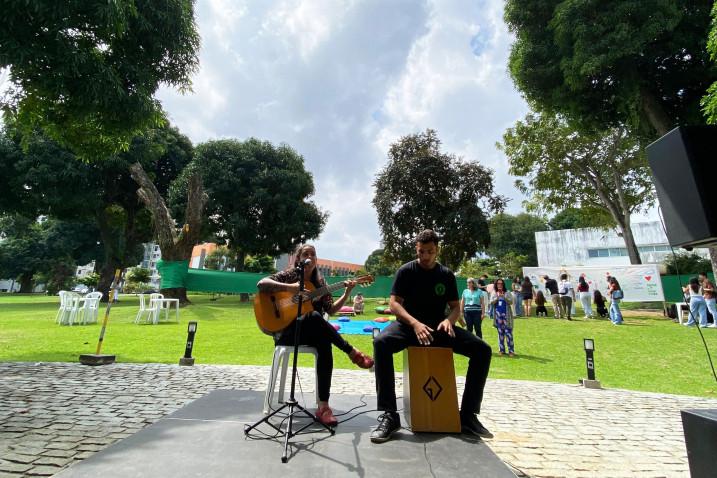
54,414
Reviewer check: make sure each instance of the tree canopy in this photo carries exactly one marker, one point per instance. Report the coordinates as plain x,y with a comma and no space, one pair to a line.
378,264
559,166
710,101
422,187
258,196
577,218
85,71
605,63
46,179
515,234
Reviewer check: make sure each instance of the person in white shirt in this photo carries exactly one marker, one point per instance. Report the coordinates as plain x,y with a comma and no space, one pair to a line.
567,295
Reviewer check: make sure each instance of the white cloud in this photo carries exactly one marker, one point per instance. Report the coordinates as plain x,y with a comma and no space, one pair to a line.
340,80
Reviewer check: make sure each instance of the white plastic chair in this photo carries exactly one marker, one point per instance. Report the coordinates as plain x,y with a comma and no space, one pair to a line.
155,305
281,358
69,307
90,309
150,310
60,317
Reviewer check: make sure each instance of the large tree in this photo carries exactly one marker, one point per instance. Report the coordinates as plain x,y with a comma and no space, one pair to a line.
378,264
422,187
47,179
515,234
47,247
710,101
85,71
642,63
576,218
258,197
561,166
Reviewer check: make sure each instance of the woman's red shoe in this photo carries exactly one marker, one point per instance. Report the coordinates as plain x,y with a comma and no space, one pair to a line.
326,416
361,359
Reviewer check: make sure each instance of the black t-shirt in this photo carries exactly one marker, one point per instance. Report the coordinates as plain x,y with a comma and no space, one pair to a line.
425,293
552,286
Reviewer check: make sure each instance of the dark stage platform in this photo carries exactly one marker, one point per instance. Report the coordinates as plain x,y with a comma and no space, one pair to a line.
206,439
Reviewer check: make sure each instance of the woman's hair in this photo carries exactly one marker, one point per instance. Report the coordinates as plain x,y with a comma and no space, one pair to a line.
316,276
597,296
694,284
526,281
582,280
502,283
472,281
539,294
563,277
614,282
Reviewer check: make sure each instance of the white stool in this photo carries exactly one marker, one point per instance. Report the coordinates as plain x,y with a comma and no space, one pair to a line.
281,358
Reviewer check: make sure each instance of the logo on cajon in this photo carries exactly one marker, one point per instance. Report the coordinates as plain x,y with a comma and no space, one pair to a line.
432,388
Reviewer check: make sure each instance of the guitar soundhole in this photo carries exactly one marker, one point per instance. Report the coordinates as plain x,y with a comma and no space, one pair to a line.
276,309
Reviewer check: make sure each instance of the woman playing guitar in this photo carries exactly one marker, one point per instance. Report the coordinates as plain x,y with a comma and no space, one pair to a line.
315,331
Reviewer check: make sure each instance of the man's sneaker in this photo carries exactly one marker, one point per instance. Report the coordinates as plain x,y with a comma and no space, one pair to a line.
471,426
388,423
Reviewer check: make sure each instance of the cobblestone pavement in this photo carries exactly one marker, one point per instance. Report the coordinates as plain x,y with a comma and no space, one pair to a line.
55,414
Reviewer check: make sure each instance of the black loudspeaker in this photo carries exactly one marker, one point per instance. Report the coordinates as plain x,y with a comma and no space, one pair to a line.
700,428
684,167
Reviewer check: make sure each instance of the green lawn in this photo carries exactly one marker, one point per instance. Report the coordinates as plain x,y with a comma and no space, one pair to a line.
648,353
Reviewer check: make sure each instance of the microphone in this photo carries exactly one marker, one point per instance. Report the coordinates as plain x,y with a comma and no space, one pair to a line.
304,263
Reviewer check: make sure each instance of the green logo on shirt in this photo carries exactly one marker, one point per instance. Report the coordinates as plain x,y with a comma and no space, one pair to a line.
440,289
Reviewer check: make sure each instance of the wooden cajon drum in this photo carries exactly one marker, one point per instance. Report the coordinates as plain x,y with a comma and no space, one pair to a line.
430,399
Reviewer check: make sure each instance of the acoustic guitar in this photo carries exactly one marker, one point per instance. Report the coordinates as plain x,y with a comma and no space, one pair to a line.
274,311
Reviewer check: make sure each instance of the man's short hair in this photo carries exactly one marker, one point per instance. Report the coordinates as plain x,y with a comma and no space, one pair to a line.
427,236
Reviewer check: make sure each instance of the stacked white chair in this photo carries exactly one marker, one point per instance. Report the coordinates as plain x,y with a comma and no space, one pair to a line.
91,308
69,307
155,306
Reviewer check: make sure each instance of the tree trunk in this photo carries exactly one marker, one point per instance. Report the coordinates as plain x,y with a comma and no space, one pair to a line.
713,259
107,275
26,282
175,245
654,112
632,251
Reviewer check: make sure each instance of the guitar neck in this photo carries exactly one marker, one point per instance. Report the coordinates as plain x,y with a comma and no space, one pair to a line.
326,290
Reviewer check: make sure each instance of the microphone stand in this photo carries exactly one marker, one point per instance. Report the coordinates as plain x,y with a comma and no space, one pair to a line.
291,403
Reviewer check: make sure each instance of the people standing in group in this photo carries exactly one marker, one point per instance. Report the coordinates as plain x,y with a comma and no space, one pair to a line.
616,295
503,316
584,295
540,310
422,291
708,292
551,287
567,295
526,293
698,305
599,301
473,301
517,296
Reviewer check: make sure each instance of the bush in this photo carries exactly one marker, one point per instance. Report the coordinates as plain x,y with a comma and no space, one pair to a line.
136,287
138,275
687,263
90,280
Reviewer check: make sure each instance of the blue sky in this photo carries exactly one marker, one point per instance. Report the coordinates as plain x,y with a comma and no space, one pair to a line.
340,81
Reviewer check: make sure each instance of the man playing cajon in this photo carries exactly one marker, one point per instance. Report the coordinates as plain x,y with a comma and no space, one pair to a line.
420,293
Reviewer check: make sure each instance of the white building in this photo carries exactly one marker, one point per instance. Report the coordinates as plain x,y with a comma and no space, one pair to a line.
597,247
83,271
152,254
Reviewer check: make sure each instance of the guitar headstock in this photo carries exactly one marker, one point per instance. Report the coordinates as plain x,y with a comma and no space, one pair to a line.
364,281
